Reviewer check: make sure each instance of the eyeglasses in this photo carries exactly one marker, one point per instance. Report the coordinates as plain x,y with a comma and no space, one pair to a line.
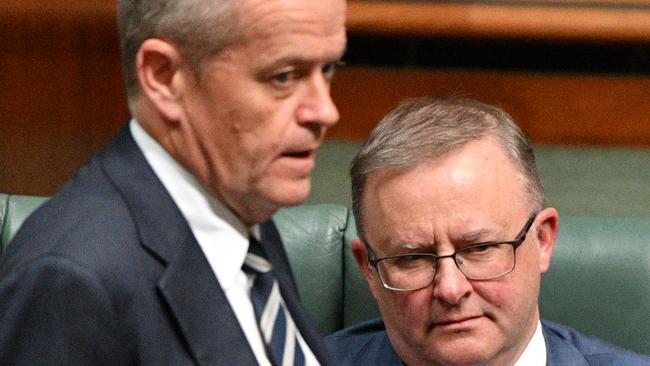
483,261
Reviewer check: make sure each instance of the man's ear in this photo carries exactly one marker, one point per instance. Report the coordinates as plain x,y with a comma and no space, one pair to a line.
159,68
546,232
360,254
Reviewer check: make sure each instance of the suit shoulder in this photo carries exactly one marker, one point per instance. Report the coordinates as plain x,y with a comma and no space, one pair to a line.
366,329
362,344
351,341
594,350
86,220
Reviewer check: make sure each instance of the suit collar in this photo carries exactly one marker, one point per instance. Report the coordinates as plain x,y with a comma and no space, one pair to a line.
150,204
188,286
210,221
559,351
377,349
202,311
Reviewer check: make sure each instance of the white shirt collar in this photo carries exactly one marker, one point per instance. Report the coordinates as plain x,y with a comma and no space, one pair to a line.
223,237
535,352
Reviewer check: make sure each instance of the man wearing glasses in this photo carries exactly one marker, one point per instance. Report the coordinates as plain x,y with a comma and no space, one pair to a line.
453,239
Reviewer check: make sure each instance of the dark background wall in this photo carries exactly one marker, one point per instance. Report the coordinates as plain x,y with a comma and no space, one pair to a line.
571,73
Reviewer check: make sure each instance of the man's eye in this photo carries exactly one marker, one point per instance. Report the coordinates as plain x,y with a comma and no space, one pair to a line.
283,77
329,68
479,249
412,261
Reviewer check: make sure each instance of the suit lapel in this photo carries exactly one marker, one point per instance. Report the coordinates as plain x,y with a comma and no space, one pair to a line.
559,351
203,313
277,255
188,286
380,352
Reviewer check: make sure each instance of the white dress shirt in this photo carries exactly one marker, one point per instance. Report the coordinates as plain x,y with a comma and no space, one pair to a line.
220,234
535,352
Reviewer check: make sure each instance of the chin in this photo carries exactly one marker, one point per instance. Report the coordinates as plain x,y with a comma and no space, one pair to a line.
294,199
286,193
466,359
464,356
262,202
436,350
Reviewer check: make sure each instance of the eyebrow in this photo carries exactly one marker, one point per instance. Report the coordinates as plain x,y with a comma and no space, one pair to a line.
465,239
292,61
298,59
473,235
414,246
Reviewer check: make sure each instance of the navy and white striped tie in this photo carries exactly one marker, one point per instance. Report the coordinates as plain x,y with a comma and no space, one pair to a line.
274,320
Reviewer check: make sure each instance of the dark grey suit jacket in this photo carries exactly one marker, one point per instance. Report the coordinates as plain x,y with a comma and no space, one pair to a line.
108,272
368,344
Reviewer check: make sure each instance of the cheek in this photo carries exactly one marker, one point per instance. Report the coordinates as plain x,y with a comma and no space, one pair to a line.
406,309
252,136
263,112
496,296
512,299
265,131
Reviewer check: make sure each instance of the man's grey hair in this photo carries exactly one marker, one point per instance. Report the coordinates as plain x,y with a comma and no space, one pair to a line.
423,129
198,28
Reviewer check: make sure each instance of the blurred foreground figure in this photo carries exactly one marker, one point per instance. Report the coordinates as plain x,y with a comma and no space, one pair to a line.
143,258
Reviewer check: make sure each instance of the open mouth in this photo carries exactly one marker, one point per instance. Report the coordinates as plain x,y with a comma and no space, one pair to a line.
299,154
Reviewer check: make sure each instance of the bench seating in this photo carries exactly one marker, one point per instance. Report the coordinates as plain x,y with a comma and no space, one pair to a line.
599,281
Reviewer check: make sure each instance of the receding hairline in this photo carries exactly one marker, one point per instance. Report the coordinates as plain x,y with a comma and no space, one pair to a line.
420,130
400,169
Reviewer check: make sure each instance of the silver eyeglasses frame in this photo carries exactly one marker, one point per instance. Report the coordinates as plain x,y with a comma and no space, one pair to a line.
520,238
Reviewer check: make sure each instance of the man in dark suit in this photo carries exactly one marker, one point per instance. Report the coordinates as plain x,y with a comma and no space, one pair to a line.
143,258
453,239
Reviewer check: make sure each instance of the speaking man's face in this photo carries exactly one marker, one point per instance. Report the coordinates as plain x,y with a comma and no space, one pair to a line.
262,106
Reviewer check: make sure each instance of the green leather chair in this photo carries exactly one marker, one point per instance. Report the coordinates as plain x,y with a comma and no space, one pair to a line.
599,281
13,211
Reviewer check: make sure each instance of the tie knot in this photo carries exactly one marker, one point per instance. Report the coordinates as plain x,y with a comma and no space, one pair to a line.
256,261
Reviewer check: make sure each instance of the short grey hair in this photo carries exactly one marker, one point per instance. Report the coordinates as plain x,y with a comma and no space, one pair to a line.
423,129
199,28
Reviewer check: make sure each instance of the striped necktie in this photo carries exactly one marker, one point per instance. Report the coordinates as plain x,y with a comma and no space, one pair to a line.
275,323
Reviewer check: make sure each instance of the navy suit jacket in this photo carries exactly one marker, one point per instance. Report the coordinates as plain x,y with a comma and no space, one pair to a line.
368,344
108,272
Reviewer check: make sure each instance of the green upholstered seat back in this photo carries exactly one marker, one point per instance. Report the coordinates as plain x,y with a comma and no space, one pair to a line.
13,211
599,281
314,237
326,229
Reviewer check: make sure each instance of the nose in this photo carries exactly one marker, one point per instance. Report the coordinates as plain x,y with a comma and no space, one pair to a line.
450,284
317,106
